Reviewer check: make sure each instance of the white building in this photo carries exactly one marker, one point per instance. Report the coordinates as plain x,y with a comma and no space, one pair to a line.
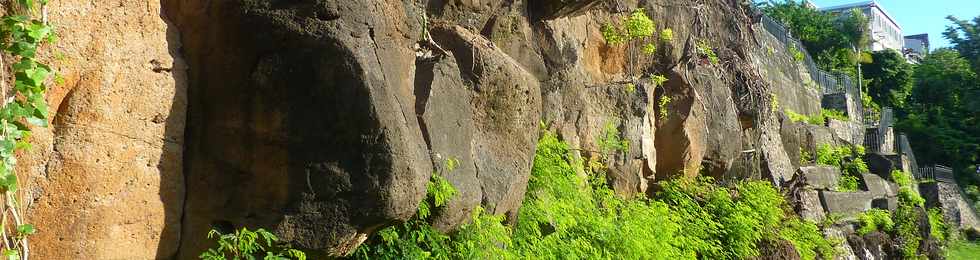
916,47
885,31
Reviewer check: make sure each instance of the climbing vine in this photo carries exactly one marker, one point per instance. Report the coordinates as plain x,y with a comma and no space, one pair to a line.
21,34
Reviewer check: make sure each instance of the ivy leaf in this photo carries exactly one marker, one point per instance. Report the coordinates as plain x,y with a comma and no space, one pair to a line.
38,31
11,254
8,182
26,229
37,75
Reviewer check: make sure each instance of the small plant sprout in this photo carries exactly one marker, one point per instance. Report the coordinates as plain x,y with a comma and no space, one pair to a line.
649,48
667,35
658,80
705,50
630,88
664,102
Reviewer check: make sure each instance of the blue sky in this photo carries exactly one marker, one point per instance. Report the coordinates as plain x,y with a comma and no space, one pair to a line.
922,16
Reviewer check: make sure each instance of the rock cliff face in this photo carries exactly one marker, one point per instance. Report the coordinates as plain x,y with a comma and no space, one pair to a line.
322,120
105,181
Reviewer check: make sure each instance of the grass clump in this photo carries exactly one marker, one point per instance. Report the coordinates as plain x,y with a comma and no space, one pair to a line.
807,239
963,250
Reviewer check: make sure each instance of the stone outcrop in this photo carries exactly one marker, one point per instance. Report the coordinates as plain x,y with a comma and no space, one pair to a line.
105,180
323,120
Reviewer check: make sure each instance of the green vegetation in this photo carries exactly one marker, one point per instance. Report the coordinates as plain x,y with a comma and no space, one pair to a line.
566,215
847,183
662,105
826,37
937,225
798,55
875,220
805,157
901,178
246,244
666,35
820,119
846,158
610,141
706,52
963,250
21,36
889,78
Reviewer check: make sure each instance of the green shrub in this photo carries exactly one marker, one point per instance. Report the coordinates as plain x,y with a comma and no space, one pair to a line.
901,178
247,244
807,238
834,114
906,195
610,141
567,215
907,230
796,117
847,183
937,227
875,220
798,55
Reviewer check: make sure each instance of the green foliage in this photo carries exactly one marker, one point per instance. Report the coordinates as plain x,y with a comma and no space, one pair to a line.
639,25
963,250
798,55
937,227
907,230
662,105
833,114
611,35
246,244
658,80
21,36
796,117
567,215
820,119
847,183
706,52
630,88
908,196
649,48
890,77
875,220
610,141
807,238
965,37
827,38
667,35
903,179
942,116
805,157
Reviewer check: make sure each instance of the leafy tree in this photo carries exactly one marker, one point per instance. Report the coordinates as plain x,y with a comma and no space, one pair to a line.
965,36
941,117
827,37
890,78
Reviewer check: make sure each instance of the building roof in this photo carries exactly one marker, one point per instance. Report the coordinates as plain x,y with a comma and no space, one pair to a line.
863,4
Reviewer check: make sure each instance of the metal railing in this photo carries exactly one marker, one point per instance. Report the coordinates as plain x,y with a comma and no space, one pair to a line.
829,82
902,146
937,172
877,130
